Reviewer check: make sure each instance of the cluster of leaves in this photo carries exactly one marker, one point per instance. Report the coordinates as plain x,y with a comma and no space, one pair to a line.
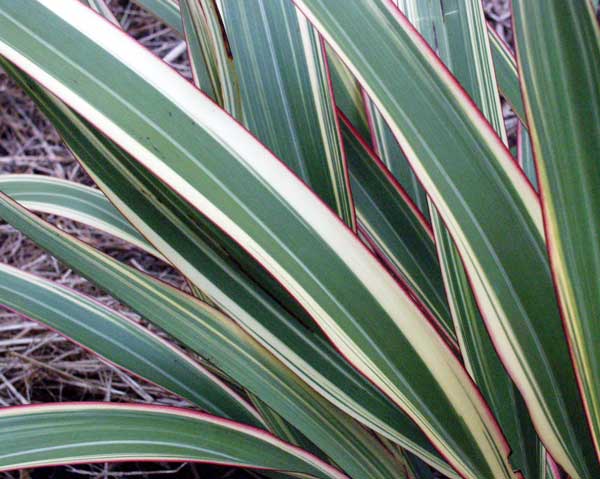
379,289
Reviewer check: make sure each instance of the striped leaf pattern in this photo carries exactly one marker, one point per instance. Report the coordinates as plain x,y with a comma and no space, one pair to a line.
74,201
219,340
54,434
121,341
210,56
287,97
376,280
467,52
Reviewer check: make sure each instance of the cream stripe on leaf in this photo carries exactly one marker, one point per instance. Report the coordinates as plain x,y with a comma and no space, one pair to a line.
121,341
173,226
200,49
480,194
559,63
241,187
348,94
219,340
44,435
210,56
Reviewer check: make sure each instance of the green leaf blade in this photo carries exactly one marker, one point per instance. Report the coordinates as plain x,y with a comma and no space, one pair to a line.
34,436
559,61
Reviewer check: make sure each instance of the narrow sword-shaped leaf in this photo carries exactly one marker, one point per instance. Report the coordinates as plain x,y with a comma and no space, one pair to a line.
200,49
427,17
348,94
284,430
74,201
469,57
506,73
121,341
479,192
215,337
482,361
287,97
256,200
559,62
43,435
525,155
387,148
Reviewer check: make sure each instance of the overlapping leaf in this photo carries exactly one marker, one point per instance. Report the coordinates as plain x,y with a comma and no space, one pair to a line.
233,191
480,194
150,207
74,201
220,341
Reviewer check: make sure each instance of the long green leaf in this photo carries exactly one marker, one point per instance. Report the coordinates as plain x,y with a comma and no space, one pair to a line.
469,58
74,201
286,93
220,341
558,46
121,341
525,155
506,73
245,191
148,205
482,361
387,148
348,94
33,436
200,51
284,430
479,192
